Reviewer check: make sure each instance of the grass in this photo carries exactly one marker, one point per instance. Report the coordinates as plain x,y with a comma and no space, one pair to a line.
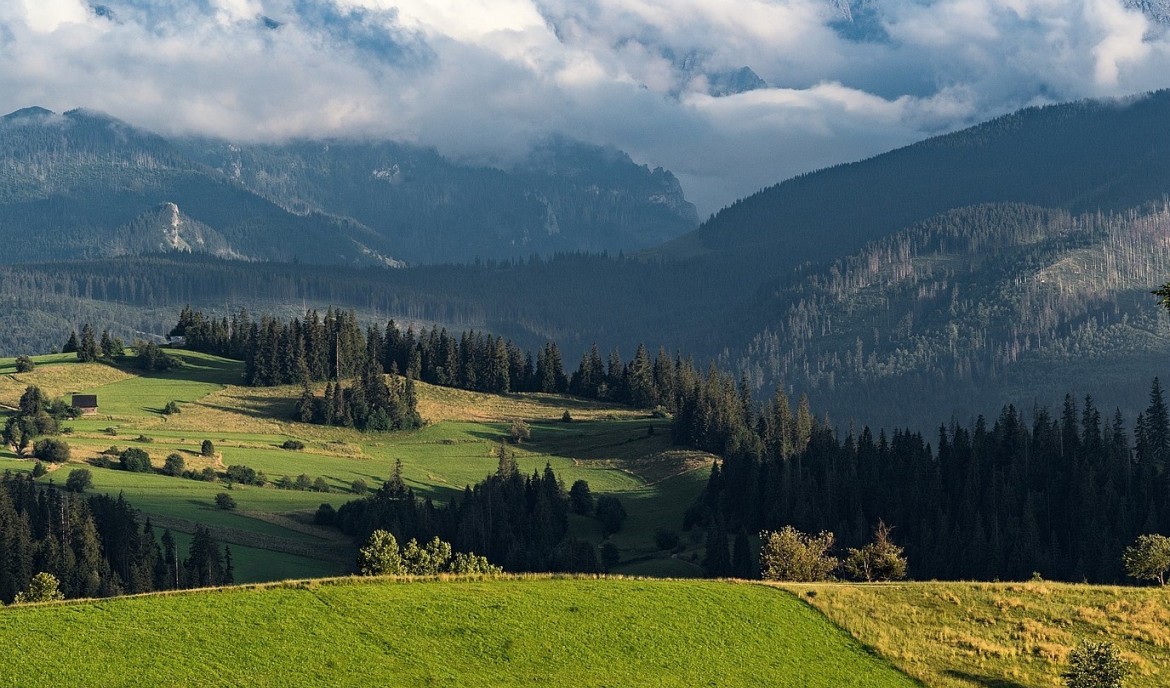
615,449
510,632
1003,635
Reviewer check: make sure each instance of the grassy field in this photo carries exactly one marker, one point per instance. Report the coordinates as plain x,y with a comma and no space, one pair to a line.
617,450
510,632
999,635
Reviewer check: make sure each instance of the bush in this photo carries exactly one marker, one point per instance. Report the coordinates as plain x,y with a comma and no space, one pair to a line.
242,474
171,408
175,465
53,451
295,445
44,587
79,480
134,460
665,539
225,501
39,470
325,515
208,475
519,432
359,487
790,555
303,482
319,485
1095,665
111,431
144,439
566,417
24,364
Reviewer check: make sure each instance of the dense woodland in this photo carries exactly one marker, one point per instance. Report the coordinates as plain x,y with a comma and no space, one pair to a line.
1060,494
516,521
94,545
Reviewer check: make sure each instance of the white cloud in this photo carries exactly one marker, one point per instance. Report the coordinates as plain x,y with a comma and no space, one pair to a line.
483,78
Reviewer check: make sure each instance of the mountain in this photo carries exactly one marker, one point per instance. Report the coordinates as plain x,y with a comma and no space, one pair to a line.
84,184
1009,262
969,310
1084,156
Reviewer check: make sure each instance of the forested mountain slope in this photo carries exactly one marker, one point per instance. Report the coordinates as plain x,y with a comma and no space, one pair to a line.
85,185
564,196
972,309
1083,156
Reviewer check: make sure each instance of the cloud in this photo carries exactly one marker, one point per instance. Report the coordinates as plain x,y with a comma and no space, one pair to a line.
483,79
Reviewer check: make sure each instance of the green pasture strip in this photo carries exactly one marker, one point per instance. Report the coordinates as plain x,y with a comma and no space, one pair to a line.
508,632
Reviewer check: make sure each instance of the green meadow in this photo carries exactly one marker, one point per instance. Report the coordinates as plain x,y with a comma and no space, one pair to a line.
615,449
507,632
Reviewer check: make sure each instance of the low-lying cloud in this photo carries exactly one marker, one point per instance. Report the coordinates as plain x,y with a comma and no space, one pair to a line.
482,79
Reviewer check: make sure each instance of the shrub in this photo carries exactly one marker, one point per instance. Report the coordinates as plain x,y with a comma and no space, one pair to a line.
79,480
39,470
295,445
319,485
1094,664
111,431
144,439
208,475
241,474
303,482
566,417
790,555
53,451
879,560
24,364
225,501
134,460
206,448
1148,558
325,515
175,465
519,432
171,408
359,486
44,587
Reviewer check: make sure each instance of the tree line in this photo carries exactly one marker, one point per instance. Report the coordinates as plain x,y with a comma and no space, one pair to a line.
94,545
516,521
335,347
1060,494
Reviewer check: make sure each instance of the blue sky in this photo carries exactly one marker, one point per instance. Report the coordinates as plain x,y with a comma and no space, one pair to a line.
482,80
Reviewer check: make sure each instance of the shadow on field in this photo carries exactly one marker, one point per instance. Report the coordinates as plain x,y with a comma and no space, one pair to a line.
259,407
984,681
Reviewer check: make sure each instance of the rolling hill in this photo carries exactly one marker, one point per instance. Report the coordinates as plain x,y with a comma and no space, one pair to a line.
506,632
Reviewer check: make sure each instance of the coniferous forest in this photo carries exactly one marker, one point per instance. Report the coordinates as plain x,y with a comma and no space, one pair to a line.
95,545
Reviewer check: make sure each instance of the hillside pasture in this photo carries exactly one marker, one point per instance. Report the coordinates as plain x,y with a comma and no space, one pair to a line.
506,632
1003,635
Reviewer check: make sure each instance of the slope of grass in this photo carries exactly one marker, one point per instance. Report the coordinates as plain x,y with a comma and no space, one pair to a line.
510,632
1007,635
617,450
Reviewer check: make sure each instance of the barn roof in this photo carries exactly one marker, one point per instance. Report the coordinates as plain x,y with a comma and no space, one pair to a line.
85,401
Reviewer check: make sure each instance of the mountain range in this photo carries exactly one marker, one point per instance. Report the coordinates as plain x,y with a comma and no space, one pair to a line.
83,184
1010,262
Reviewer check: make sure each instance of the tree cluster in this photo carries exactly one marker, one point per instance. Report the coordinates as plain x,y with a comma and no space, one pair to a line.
94,546
518,522
999,499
